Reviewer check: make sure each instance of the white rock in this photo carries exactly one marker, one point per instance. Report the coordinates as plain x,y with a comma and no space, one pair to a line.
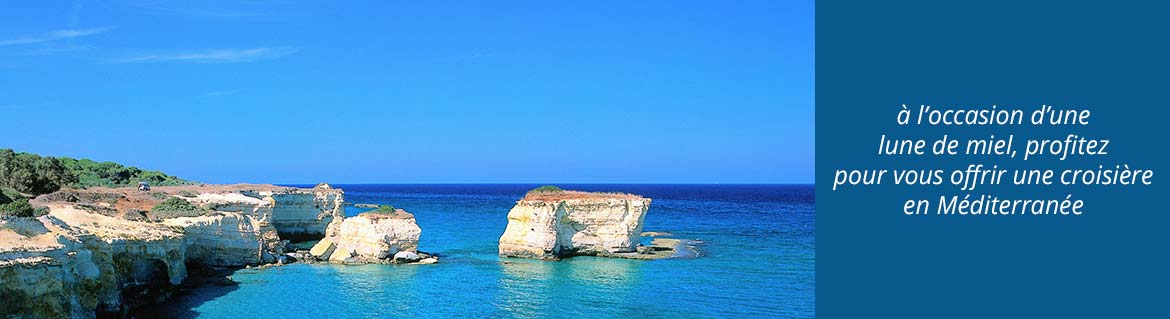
323,249
75,263
573,223
373,237
71,261
293,212
227,239
405,256
307,213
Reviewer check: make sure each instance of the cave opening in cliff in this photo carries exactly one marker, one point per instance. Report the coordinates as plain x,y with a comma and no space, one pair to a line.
148,281
301,240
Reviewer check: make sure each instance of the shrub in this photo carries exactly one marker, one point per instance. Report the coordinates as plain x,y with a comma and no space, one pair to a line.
135,215
216,206
188,194
385,209
18,208
177,207
7,195
546,189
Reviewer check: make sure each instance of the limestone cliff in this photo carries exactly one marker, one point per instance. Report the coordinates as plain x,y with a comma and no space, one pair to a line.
307,214
103,250
371,238
296,214
550,225
75,264
228,239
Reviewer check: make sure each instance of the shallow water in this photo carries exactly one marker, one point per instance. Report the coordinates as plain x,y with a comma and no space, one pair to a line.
757,259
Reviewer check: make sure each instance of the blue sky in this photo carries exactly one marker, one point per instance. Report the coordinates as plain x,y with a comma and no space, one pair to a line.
405,92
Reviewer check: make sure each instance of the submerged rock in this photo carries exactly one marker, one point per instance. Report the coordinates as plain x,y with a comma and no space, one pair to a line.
550,225
660,248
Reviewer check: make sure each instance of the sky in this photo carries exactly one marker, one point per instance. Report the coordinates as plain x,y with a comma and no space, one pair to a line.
412,92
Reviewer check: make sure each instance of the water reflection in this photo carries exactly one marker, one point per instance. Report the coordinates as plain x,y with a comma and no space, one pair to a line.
605,273
604,285
525,287
530,288
376,284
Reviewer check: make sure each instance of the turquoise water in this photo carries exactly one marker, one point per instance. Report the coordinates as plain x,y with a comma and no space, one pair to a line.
757,260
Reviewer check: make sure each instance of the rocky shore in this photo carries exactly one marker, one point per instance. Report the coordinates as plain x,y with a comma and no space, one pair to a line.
104,251
107,251
661,247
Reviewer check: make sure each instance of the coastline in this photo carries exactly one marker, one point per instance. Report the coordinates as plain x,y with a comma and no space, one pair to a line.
208,231
461,224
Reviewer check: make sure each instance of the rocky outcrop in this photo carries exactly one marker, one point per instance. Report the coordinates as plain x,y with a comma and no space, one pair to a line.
296,214
75,264
551,225
300,214
372,237
228,239
34,263
103,250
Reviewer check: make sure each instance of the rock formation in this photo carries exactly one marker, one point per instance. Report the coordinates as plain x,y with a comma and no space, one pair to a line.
228,239
303,214
555,224
75,264
296,214
373,237
103,250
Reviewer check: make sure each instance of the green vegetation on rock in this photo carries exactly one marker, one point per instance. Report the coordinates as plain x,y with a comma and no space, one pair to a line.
177,207
34,174
385,209
546,189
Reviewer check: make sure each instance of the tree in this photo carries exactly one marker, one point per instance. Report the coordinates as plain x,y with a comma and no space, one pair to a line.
33,174
30,173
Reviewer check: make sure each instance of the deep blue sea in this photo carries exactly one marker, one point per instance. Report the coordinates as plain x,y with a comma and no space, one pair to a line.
757,261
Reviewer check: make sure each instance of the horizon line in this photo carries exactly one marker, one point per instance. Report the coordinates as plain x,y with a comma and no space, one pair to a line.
550,183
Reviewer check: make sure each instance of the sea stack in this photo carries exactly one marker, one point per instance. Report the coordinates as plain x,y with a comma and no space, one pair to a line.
385,235
549,223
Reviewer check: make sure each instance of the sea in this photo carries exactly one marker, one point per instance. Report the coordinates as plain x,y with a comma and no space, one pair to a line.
756,258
